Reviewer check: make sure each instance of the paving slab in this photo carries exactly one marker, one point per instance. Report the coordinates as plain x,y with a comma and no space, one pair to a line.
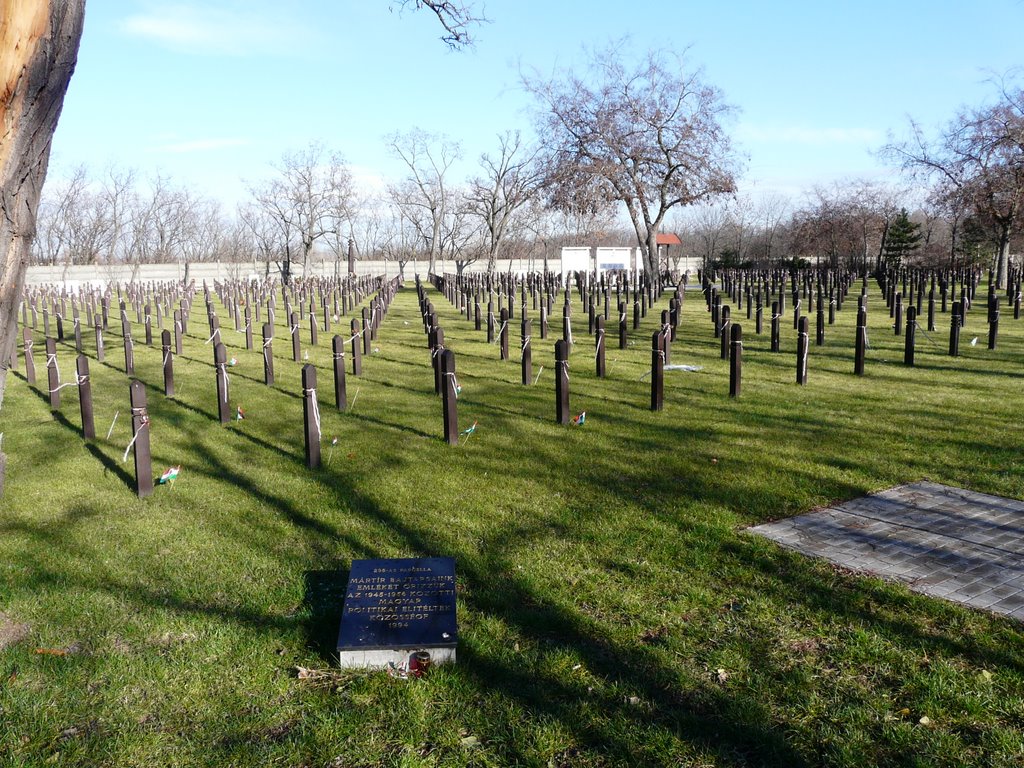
941,541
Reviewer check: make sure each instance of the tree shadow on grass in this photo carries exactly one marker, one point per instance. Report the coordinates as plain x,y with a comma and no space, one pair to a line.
670,712
322,535
737,731
396,425
796,579
109,465
323,600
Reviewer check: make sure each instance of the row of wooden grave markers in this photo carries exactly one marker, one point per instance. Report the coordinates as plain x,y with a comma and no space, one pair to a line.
805,286
139,444
444,360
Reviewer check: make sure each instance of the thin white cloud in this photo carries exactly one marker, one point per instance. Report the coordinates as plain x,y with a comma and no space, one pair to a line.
794,134
199,145
238,30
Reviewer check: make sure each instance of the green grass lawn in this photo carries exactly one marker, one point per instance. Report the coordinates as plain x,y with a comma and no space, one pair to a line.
612,611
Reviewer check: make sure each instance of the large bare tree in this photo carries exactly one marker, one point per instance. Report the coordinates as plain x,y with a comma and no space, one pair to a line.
462,234
509,181
706,229
846,223
57,219
265,233
425,194
651,136
310,186
400,240
771,210
980,155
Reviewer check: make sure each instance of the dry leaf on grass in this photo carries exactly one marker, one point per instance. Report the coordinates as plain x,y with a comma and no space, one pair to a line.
321,678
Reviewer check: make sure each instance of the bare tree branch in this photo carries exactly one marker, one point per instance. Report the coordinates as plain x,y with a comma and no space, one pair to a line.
456,18
651,137
978,159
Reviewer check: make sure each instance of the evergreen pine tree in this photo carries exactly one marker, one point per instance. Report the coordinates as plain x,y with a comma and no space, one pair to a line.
902,239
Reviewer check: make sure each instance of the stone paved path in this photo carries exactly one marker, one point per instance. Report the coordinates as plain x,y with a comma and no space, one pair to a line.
942,541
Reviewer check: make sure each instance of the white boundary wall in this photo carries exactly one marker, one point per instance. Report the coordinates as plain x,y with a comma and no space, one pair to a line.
576,259
75,276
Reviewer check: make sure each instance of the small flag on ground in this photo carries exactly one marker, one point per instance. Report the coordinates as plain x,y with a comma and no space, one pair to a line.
239,414
170,475
470,430
578,421
232,361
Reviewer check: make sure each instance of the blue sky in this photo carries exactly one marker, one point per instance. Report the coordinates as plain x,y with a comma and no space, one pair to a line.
211,93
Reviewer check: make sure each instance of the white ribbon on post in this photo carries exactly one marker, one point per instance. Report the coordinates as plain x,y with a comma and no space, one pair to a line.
311,394
53,359
455,383
145,423
79,380
224,370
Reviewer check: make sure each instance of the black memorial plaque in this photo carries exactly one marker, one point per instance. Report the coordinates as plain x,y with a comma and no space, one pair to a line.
393,606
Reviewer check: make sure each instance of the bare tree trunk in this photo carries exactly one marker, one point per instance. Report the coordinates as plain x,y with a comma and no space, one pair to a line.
651,250
38,50
1003,256
307,248
954,229
881,246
